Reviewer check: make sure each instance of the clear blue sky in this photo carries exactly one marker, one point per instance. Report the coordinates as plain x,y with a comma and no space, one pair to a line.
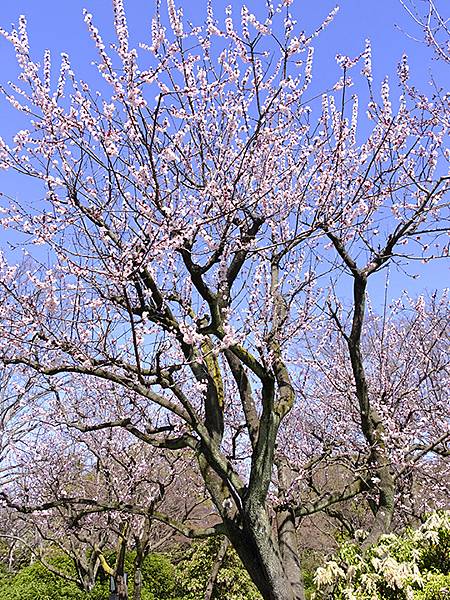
59,26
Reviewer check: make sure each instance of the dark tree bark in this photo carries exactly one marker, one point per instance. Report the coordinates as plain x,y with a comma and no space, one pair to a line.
287,535
216,568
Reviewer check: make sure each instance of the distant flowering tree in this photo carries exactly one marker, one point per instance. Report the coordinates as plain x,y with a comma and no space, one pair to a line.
407,374
201,222
91,497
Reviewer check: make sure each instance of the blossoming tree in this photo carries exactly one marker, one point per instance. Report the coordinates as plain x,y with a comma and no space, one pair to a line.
86,494
202,223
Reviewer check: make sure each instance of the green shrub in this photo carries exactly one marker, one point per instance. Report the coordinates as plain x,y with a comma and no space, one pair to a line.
35,582
158,577
193,571
413,566
436,587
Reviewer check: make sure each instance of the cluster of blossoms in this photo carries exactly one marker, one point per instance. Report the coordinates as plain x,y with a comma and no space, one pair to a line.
398,566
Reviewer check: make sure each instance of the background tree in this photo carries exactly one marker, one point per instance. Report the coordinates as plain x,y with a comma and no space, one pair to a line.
201,221
406,363
95,498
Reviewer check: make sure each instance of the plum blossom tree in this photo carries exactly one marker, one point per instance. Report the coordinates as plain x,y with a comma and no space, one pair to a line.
202,218
15,424
405,355
88,496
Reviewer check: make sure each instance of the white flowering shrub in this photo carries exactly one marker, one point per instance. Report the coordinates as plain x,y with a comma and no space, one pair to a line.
411,566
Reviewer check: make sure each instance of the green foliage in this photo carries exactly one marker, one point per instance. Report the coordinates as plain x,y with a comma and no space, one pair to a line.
158,577
5,578
413,566
35,582
437,587
193,571
310,560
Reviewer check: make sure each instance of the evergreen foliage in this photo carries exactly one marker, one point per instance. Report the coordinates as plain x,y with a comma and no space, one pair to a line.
193,571
411,566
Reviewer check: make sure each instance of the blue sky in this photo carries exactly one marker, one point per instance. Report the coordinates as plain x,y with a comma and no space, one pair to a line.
59,26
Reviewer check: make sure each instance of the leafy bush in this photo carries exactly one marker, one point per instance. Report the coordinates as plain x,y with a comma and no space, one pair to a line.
436,587
193,571
158,577
413,566
35,582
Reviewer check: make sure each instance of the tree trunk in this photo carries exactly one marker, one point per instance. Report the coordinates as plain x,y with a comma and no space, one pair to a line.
251,534
287,536
216,568
121,587
137,591
120,576
260,553
384,507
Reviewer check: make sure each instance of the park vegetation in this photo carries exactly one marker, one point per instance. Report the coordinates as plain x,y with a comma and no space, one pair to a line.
190,346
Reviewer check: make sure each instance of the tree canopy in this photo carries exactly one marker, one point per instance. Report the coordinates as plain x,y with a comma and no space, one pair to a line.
194,285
